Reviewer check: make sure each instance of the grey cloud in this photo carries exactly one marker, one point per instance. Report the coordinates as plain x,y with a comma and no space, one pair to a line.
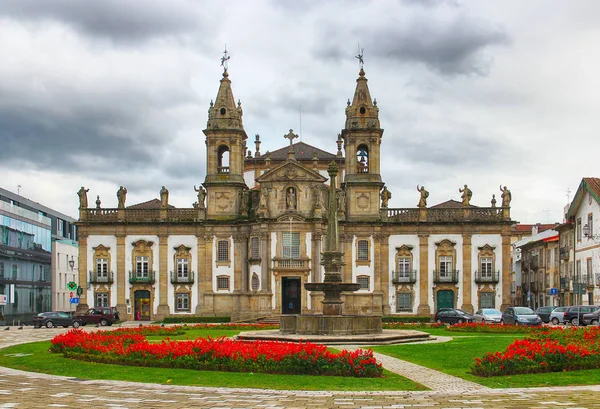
449,46
115,19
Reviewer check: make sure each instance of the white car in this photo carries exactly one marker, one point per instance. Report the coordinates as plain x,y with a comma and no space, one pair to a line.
557,315
488,315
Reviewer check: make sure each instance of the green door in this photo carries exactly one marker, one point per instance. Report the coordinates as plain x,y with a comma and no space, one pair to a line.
445,299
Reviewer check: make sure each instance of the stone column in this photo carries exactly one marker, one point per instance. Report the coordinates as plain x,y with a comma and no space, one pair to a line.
121,279
201,271
316,257
83,272
382,271
467,304
424,309
241,262
346,241
265,262
163,276
506,296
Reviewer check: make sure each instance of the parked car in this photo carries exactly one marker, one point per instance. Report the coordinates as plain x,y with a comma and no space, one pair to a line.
544,313
98,315
520,316
53,319
591,318
574,314
488,315
557,316
452,316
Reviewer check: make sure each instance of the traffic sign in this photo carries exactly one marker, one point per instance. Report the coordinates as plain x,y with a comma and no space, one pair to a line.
74,300
3,299
71,286
71,294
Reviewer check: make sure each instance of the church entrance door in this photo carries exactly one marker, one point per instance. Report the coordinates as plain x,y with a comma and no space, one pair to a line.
290,295
142,310
445,299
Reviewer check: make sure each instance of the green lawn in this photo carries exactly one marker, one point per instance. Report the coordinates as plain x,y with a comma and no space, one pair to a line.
38,359
456,357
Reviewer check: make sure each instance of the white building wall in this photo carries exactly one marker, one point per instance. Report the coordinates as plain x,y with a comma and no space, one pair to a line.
395,242
588,248
458,246
111,242
62,252
175,242
129,240
480,240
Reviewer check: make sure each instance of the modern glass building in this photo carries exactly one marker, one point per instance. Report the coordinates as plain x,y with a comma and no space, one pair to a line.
29,232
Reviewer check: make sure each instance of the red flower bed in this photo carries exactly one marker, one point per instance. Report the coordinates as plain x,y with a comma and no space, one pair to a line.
129,347
547,350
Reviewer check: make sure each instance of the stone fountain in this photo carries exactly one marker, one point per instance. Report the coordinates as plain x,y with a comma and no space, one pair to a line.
331,321
332,326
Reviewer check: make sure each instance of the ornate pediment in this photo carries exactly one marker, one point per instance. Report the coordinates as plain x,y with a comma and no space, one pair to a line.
291,171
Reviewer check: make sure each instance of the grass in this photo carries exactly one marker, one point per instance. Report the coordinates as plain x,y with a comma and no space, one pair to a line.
456,357
38,359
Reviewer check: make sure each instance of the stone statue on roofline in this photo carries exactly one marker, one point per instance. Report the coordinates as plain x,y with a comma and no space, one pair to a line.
83,201
164,198
466,195
506,196
121,197
424,196
386,195
201,196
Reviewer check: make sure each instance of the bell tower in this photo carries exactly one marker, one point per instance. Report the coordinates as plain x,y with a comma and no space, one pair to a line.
362,141
225,141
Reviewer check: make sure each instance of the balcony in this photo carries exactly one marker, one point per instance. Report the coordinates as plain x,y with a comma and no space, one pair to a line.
564,253
441,277
404,277
487,277
181,278
223,170
296,264
141,278
98,277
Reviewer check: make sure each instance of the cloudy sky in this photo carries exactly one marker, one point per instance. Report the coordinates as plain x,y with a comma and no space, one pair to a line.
113,92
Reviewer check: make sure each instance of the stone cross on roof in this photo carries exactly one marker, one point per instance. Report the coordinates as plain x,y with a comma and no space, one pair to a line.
291,136
225,59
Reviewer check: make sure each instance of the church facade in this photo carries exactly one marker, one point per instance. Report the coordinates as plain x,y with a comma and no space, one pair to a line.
255,235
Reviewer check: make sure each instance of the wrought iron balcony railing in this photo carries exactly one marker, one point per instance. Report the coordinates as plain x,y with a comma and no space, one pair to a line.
440,277
404,277
181,278
99,277
141,278
485,277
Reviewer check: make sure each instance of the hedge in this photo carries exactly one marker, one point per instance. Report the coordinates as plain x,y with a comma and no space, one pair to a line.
194,319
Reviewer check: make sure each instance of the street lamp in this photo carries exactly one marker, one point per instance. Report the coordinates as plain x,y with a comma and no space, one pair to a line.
590,234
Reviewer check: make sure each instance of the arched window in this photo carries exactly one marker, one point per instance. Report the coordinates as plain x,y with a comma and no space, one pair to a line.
223,156
362,159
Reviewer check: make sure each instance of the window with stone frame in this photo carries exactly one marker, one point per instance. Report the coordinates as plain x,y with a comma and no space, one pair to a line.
362,250
142,258
445,256
403,302
404,261
486,300
223,283
364,282
182,302
102,300
255,248
142,266
223,250
183,269
486,262
578,229
102,267
290,242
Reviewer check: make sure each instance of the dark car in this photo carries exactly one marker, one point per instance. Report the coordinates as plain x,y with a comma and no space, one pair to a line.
99,316
452,316
53,319
574,315
591,318
544,313
520,316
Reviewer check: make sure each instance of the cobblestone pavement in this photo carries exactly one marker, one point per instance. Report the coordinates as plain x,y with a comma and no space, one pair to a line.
29,390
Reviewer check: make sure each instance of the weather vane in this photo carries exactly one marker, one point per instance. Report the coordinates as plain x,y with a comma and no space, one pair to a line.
359,57
225,58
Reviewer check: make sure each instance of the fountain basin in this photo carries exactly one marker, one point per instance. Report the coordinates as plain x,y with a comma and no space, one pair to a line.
307,324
